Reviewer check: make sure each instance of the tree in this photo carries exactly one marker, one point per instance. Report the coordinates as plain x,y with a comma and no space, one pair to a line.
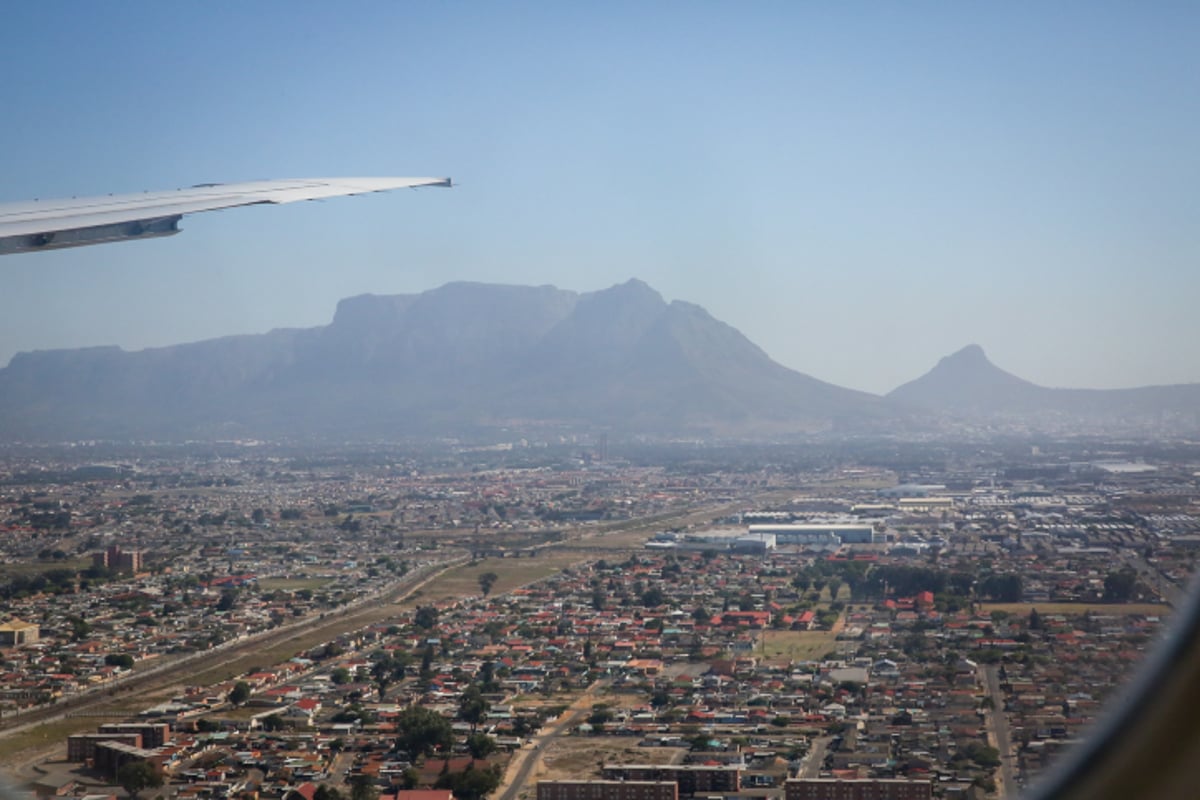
426,617
653,597
274,722
1002,588
835,586
240,693
325,792
487,677
339,676
472,707
427,663
480,745
599,716
409,779
701,615
471,783
137,776
423,731
363,788
984,756
228,599
1119,586
388,668
122,660
486,581
1035,620
80,628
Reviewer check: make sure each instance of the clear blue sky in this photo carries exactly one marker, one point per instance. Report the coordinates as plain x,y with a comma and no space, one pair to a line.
860,188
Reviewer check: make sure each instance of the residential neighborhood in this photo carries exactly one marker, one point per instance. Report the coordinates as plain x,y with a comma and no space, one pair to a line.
255,624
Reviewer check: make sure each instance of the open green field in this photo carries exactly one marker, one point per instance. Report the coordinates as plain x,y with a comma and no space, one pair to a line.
864,482
463,581
51,734
31,568
292,584
1108,609
796,645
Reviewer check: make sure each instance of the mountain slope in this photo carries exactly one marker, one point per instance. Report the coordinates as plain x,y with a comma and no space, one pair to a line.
450,359
968,385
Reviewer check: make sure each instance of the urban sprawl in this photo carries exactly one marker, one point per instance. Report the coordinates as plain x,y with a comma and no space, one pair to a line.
576,620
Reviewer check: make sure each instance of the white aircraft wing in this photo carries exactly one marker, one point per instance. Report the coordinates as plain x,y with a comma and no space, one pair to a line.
52,224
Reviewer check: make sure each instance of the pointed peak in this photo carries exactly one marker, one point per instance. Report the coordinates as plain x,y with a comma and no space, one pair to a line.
635,287
970,353
632,293
969,359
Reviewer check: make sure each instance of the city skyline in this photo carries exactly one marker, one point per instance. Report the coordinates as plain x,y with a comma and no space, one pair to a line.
859,191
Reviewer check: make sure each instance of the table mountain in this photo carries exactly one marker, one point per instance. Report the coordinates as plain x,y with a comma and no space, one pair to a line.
455,359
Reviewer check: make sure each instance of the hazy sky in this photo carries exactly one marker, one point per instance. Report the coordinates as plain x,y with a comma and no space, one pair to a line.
859,188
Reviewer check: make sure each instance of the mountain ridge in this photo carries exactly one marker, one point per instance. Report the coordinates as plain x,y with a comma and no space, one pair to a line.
968,385
459,356
472,356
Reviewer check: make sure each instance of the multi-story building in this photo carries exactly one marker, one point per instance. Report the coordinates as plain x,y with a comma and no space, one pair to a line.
82,747
15,633
690,778
857,789
117,559
154,734
111,756
607,790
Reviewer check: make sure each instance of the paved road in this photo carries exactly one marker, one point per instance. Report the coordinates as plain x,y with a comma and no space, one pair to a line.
997,723
814,760
1167,589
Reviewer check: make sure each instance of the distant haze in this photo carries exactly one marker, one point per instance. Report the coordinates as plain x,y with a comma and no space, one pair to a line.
471,359
858,188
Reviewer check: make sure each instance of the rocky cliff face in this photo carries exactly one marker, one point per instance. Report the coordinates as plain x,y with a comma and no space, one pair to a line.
453,358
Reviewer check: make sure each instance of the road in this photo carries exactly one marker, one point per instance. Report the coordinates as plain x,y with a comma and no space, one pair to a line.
1150,575
814,760
527,759
997,725
171,671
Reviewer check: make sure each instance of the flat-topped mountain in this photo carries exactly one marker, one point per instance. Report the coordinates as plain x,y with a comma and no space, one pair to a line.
456,358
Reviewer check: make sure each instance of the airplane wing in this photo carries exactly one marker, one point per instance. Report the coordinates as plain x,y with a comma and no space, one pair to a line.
52,224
